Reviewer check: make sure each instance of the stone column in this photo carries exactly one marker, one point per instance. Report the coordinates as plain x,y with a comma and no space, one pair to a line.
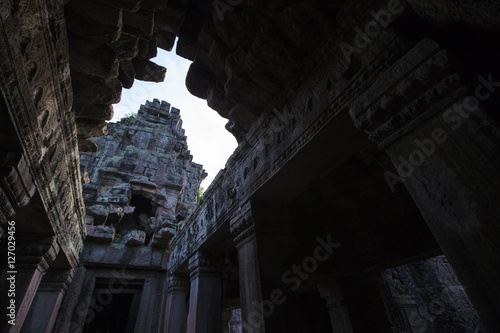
33,257
263,257
47,302
446,151
176,306
331,292
205,302
70,302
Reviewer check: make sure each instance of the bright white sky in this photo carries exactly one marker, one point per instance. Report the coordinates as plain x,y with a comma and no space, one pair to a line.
209,142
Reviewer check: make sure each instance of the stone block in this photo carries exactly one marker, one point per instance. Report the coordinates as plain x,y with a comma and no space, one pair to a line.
99,212
126,73
95,90
102,234
95,111
186,48
89,220
165,40
84,174
139,24
93,20
87,146
170,19
89,128
134,237
146,70
92,58
161,238
147,49
199,80
115,215
126,47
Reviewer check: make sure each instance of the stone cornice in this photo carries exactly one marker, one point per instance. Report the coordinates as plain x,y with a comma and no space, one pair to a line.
242,225
37,254
178,283
57,279
380,111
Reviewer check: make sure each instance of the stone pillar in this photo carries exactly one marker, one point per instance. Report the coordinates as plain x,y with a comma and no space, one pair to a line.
446,151
263,258
70,302
33,257
205,302
331,292
176,306
47,302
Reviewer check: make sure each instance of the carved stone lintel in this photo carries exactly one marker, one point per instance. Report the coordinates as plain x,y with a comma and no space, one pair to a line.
243,225
477,14
201,264
15,180
382,111
6,209
178,283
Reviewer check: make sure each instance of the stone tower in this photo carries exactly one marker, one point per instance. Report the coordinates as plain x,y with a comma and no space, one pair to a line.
142,180
140,183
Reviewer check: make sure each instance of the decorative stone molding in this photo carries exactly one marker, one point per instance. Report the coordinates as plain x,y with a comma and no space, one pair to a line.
57,279
242,225
178,283
15,180
476,14
382,111
37,254
203,264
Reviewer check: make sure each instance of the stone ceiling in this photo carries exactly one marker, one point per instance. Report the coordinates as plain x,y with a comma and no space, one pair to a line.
244,52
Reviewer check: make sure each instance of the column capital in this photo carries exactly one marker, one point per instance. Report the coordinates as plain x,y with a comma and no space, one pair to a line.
408,93
331,292
203,264
38,253
243,225
57,279
178,283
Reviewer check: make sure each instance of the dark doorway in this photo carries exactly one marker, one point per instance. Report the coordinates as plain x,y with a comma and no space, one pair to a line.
113,308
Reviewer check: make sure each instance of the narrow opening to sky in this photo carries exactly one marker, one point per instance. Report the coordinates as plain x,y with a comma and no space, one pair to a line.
209,142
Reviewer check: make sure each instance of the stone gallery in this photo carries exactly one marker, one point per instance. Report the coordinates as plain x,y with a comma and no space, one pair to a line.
363,196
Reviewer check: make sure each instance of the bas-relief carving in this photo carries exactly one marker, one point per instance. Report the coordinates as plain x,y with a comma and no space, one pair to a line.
37,93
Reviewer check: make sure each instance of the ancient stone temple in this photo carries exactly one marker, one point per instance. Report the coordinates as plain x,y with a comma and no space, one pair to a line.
363,195
141,184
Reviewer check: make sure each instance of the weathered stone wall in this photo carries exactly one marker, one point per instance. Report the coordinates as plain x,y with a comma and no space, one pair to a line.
142,179
39,169
431,298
